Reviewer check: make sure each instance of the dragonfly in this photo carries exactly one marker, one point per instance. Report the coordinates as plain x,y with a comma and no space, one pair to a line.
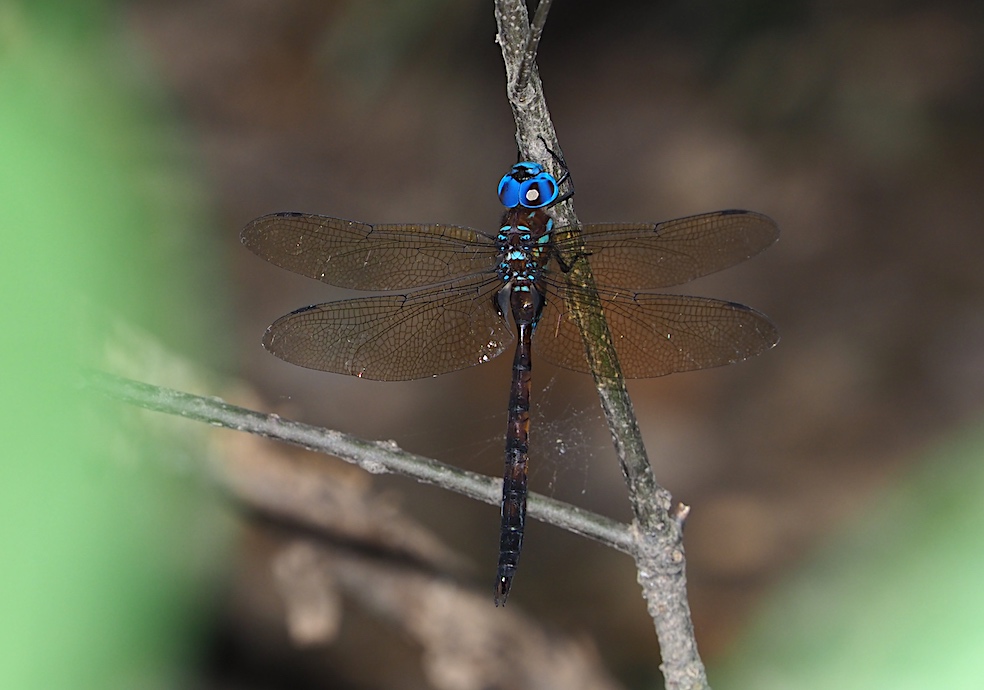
456,297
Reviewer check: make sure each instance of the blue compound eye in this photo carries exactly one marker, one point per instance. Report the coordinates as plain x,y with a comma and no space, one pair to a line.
539,191
528,185
509,191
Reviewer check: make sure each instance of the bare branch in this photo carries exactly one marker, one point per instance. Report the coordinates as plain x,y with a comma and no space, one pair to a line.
536,31
377,457
660,556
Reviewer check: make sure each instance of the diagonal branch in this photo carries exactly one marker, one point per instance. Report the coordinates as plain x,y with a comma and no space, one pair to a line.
659,555
377,457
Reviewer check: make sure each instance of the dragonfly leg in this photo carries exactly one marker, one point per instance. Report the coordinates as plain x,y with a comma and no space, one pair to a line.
565,174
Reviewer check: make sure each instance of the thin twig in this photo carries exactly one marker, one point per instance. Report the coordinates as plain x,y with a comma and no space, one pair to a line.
536,31
377,457
659,556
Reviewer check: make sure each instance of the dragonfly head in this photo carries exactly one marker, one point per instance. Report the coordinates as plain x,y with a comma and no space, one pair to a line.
528,185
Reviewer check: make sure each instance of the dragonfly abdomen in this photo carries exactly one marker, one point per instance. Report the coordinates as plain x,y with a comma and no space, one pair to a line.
514,481
526,303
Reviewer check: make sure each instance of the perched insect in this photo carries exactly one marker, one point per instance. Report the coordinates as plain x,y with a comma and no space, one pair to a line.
464,286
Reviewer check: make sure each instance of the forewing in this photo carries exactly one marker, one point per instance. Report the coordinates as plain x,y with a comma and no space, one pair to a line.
395,337
360,256
645,256
655,334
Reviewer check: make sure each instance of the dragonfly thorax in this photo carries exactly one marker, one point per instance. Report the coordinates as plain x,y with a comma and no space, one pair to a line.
522,243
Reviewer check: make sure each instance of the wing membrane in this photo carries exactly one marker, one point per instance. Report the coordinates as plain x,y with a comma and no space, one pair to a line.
645,256
395,337
656,334
360,256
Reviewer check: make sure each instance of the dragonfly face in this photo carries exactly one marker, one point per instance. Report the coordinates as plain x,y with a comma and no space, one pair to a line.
528,185
460,284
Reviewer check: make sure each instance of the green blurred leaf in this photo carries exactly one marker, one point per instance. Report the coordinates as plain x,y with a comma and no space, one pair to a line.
105,538
896,602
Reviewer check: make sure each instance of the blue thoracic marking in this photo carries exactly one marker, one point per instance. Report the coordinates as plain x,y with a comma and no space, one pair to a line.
527,185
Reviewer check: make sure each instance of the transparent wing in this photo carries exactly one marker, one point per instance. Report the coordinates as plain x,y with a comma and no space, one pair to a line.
655,335
396,337
360,256
645,256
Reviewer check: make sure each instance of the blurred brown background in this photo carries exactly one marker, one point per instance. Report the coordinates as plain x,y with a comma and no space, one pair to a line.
857,126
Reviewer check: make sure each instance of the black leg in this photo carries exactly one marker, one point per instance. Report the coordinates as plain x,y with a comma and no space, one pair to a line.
565,175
